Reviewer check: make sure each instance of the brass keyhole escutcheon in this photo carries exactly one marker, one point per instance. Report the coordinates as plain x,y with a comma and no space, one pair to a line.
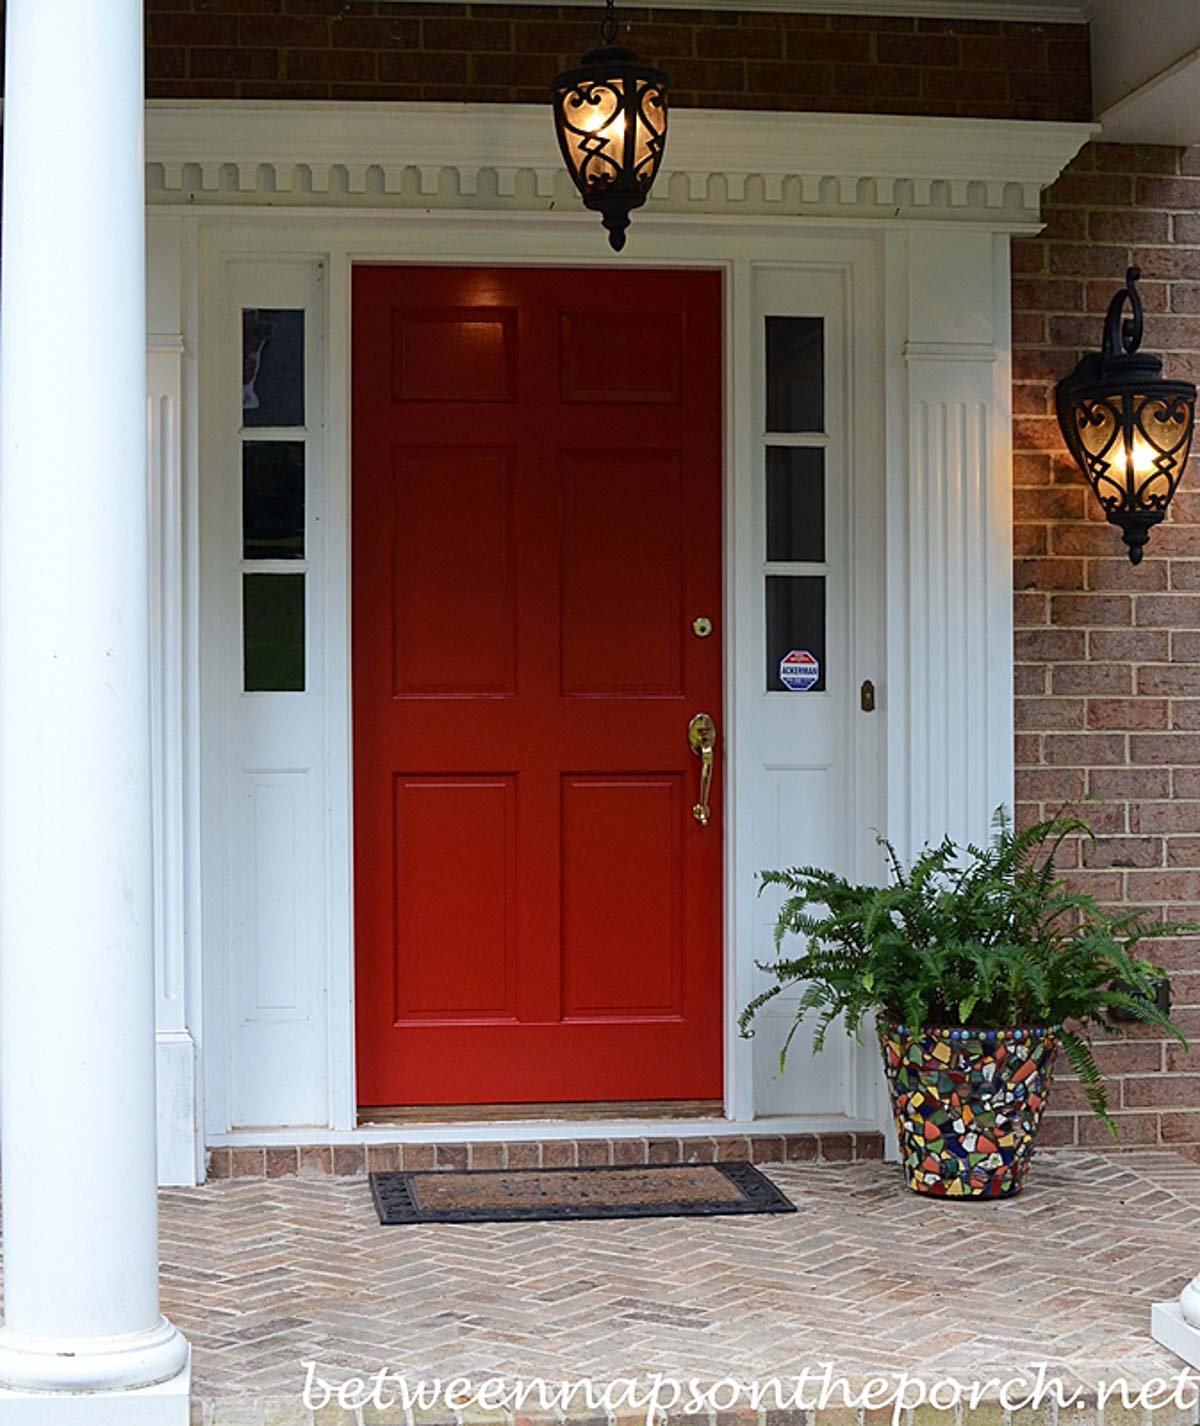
702,627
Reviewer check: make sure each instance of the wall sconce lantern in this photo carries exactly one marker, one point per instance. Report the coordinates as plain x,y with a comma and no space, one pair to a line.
1129,430
611,118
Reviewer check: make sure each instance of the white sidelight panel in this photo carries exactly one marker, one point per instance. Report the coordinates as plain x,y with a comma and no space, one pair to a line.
263,662
83,1339
809,788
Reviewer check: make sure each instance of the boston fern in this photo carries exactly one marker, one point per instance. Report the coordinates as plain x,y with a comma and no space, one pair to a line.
986,938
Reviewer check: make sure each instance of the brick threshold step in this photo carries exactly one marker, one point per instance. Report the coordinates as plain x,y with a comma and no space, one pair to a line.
348,1160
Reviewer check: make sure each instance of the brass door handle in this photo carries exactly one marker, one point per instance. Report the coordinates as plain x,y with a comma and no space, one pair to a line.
702,739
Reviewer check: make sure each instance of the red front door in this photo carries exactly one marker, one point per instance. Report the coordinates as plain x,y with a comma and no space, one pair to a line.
536,527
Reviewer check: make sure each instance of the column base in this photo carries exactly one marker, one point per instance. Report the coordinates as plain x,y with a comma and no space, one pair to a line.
70,1367
1171,1329
166,1404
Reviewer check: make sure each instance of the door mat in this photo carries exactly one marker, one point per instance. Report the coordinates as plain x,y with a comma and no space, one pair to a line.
571,1195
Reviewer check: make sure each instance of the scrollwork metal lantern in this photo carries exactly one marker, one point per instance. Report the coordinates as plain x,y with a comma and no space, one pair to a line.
611,118
1129,430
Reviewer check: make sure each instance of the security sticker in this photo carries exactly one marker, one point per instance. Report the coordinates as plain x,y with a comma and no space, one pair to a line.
799,671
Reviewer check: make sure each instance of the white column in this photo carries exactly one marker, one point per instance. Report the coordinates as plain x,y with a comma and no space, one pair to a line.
1177,1324
83,1339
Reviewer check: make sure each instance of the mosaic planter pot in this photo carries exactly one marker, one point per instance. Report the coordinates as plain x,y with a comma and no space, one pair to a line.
968,1104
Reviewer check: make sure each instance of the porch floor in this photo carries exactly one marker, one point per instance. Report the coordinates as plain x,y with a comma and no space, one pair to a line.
262,1274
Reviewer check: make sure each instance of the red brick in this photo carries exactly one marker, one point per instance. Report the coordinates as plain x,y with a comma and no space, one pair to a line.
1181,1128
1134,644
247,1163
285,31
1051,784
1050,713
1120,574
315,1159
281,1161
1135,158
1132,1130
234,64
1183,852
330,64
1165,748
863,80
1164,817
1048,574
1123,852
1127,713
1130,782
1162,1092
1050,645
381,1158
405,33
350,1159
1086,609
190,30
1091,261
1084,749
828,48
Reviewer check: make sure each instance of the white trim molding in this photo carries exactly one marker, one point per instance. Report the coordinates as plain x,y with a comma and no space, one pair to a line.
1041,12
503,156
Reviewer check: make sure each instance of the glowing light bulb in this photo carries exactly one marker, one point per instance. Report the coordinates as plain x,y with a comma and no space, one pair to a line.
1140,456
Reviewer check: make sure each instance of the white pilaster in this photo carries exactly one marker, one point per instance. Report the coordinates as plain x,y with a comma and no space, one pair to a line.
949,501
1176,1325
83,1339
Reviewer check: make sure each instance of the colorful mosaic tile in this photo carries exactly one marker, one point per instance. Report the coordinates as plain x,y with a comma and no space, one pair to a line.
968,1104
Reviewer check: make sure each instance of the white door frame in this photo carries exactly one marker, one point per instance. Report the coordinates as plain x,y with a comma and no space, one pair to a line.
928,310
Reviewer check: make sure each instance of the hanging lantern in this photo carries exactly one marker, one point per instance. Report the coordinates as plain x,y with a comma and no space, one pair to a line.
611,119
1129,430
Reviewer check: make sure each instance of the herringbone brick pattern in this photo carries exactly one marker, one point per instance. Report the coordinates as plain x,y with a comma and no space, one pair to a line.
263,1273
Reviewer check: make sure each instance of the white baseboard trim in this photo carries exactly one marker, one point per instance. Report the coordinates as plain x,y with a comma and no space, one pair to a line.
180,1161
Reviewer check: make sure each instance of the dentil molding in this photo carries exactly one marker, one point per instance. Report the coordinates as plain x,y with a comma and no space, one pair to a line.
504,156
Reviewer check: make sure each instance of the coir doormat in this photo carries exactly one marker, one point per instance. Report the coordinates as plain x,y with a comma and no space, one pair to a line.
552,1195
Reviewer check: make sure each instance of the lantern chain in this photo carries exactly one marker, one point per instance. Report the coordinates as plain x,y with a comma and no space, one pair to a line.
608,26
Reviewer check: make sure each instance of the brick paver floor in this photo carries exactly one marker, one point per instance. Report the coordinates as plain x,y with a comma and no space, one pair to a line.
262,1274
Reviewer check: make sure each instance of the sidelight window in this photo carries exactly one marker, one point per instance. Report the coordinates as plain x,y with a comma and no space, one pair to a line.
273,501
795,438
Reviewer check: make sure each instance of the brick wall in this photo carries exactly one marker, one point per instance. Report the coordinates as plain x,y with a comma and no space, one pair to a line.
1108,656
321,49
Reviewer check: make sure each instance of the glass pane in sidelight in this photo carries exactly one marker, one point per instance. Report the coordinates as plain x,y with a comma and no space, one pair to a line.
795,374
796,626
272,367
273,500
795,504
273,633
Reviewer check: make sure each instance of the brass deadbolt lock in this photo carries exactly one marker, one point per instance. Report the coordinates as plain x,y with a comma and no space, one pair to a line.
702,627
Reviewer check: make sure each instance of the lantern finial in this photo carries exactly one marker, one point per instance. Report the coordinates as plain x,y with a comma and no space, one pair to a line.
1128,429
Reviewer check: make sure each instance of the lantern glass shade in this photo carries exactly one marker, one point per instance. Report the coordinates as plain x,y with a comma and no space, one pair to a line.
611,118
1129,430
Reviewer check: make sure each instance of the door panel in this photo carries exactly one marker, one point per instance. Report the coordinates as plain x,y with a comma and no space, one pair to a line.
536,524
